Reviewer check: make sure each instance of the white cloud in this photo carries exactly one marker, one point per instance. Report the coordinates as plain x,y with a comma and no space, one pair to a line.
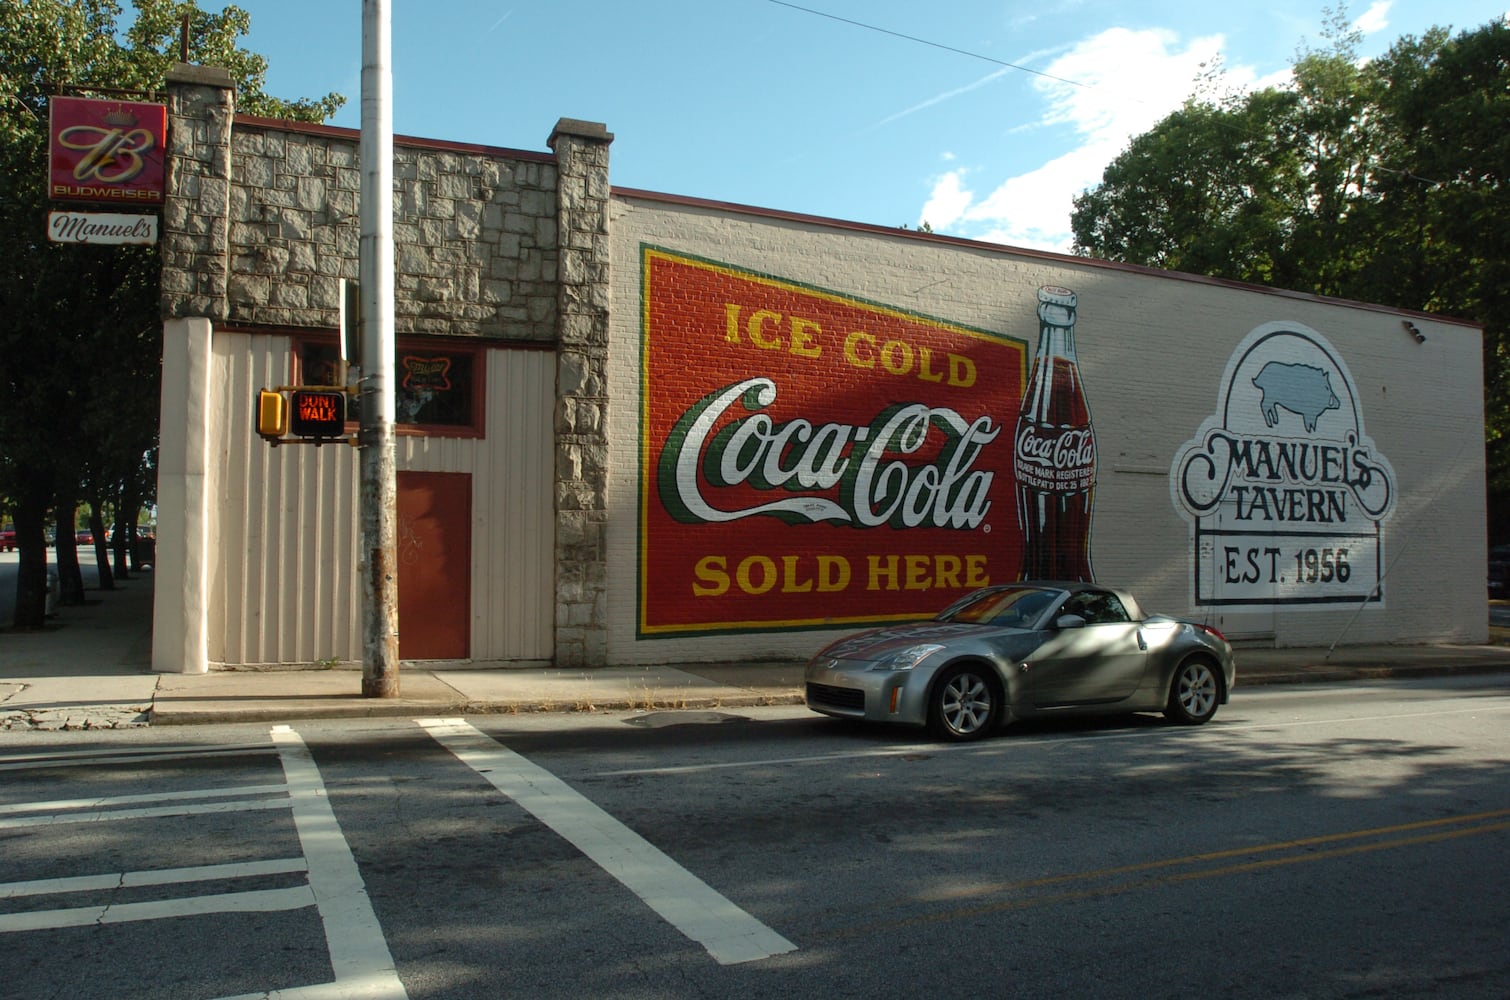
1126,82
1375,19
947,202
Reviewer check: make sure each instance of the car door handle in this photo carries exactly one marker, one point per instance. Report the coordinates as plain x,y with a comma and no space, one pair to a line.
1142,642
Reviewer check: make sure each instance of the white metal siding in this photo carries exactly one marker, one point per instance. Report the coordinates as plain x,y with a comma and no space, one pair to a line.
513,518
284,546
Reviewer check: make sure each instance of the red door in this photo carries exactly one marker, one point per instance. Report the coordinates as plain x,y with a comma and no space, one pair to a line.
434,565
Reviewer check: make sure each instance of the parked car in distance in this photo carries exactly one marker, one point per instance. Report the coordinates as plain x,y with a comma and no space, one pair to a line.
8,538
83,536
1499,572
1020,650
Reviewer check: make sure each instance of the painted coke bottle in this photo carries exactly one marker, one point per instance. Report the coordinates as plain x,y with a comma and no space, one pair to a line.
1055,450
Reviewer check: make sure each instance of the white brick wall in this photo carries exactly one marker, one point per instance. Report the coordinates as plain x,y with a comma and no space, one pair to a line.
1153,349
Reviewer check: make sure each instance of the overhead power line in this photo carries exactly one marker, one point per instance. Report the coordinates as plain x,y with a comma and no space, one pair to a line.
1050,76
929,43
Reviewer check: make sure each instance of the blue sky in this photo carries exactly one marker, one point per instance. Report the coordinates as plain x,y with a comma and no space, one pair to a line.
986,121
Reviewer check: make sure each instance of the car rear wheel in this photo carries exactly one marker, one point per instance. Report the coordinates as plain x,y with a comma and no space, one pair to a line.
964,704
1194,693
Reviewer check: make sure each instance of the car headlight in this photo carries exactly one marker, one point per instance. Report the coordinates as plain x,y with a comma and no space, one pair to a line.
906,659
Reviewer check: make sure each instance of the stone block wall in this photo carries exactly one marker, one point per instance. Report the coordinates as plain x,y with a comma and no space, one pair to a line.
474,235
582,394
201,107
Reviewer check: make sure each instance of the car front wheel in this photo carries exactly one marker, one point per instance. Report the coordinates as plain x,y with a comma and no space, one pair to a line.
964,704
1194,693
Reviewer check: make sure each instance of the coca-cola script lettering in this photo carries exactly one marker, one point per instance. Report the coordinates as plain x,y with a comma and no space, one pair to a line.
1067,461
853,462
809,459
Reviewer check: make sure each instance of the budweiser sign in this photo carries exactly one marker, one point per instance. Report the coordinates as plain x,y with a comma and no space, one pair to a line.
106,151
812,459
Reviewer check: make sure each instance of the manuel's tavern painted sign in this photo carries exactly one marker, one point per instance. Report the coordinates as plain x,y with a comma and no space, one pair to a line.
1285,493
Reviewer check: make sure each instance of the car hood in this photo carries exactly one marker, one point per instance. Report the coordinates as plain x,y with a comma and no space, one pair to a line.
878,643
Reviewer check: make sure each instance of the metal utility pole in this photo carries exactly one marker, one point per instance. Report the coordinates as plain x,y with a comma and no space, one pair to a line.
378,564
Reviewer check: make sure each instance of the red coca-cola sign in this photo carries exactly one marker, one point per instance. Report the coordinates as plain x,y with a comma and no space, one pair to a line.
811,459
106,151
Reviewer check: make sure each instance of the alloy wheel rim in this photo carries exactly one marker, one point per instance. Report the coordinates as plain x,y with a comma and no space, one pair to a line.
967,703
1197,690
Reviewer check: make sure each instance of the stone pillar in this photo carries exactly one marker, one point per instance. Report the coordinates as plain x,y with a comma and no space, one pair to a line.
581,431
196,210
196,224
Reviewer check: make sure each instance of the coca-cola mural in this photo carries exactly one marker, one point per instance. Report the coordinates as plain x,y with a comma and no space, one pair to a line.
1285,493
1055,451
812,459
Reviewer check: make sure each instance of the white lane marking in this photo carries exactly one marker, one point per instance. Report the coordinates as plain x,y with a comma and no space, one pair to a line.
111,815
41,761
728,933
346,989
820,758
256,901
170,751
160,876
359,953
60,805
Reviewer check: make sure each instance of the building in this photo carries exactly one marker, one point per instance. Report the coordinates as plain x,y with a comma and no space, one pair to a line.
641,428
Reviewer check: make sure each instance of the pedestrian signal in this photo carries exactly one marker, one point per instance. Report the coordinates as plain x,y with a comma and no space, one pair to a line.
272,415
318,413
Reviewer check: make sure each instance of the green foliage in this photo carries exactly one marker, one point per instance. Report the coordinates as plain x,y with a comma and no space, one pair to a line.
81,341
1382,182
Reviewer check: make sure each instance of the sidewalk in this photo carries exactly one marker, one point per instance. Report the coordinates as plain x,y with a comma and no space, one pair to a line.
92,670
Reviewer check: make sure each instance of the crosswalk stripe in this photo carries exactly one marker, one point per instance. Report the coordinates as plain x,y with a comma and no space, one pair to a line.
160,876
255,901
690,905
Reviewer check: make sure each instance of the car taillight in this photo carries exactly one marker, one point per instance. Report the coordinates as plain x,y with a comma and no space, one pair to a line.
1210,631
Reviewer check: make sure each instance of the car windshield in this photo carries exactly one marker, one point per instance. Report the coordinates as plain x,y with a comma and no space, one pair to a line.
1010,607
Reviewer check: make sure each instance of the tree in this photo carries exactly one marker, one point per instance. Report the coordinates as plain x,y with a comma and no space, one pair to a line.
1382,182
82,333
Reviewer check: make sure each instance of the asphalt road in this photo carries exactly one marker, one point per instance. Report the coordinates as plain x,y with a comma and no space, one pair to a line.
1317,841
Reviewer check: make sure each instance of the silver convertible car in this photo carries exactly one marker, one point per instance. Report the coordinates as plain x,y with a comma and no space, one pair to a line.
1025,649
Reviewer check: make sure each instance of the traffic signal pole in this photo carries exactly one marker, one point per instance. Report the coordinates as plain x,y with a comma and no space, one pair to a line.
378,492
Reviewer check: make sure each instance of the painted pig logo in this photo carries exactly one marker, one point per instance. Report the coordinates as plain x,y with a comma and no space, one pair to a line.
1304,390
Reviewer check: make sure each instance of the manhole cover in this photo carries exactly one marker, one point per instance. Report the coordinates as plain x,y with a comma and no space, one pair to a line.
659,720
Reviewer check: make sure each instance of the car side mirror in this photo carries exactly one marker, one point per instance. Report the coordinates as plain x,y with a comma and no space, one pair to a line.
1069,621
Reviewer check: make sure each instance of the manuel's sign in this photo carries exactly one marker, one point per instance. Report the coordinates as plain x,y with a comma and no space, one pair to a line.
813,459
1285,493
106,151
101,227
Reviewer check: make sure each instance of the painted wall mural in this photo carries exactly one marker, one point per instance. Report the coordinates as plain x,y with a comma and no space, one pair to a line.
1285,493
809,458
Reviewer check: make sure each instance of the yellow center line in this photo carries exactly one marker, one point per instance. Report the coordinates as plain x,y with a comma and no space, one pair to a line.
1235,852
1385,838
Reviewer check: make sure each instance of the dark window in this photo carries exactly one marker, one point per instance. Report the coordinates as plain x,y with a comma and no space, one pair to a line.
1096,607
437,386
